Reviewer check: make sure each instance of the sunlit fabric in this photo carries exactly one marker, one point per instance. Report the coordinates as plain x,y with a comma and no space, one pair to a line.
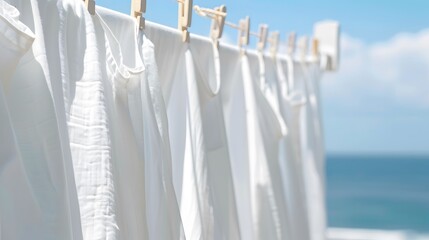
112,132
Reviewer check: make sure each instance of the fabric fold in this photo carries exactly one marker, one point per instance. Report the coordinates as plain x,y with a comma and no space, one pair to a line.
292,103
113,132
312,146
18,208
254,130
197,134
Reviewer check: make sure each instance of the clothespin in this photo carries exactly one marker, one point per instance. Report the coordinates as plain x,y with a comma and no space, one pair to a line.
262,37
291,43
243,28
274,40
218,16
138,9
303,46
185,18
244,32
90,5
315,47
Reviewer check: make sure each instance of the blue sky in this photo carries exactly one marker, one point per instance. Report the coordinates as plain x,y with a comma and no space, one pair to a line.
378,101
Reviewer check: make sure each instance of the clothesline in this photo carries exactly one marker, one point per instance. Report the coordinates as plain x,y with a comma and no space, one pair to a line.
218,16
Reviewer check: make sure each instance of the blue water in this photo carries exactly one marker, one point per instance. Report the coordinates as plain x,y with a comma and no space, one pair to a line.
378,192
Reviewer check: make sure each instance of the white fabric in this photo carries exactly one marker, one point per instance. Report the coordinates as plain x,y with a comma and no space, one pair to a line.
147,114
37,111
19,213
90,150
123,75
201,168
291,104
307,77
163,211
254,129
109,165
266,90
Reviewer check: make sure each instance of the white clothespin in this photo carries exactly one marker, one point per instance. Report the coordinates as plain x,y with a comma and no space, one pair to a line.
218,16
185,18
291,44
90,5
274,43
303,46
138,9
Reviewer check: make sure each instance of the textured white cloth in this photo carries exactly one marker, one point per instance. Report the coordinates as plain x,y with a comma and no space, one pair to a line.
90,150
124,71
201,168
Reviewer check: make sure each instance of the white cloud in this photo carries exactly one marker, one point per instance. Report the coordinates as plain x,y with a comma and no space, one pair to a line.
395,71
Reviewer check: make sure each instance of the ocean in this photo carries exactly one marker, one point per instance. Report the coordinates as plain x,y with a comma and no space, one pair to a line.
378,192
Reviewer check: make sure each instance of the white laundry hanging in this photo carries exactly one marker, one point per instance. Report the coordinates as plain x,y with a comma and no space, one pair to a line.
291,104
149,126
127,159
311,147
254,130
273,85
203,180
18,208
97,154
37,112
208,68
157,150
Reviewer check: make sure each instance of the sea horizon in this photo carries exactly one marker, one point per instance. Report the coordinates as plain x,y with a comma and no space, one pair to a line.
378,191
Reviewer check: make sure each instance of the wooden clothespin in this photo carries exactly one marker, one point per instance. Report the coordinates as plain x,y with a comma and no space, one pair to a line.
218,16
90,5
244,32
262,37
315,47
303,46
185,18
138,9
291,44
243,28
218,23
274,43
